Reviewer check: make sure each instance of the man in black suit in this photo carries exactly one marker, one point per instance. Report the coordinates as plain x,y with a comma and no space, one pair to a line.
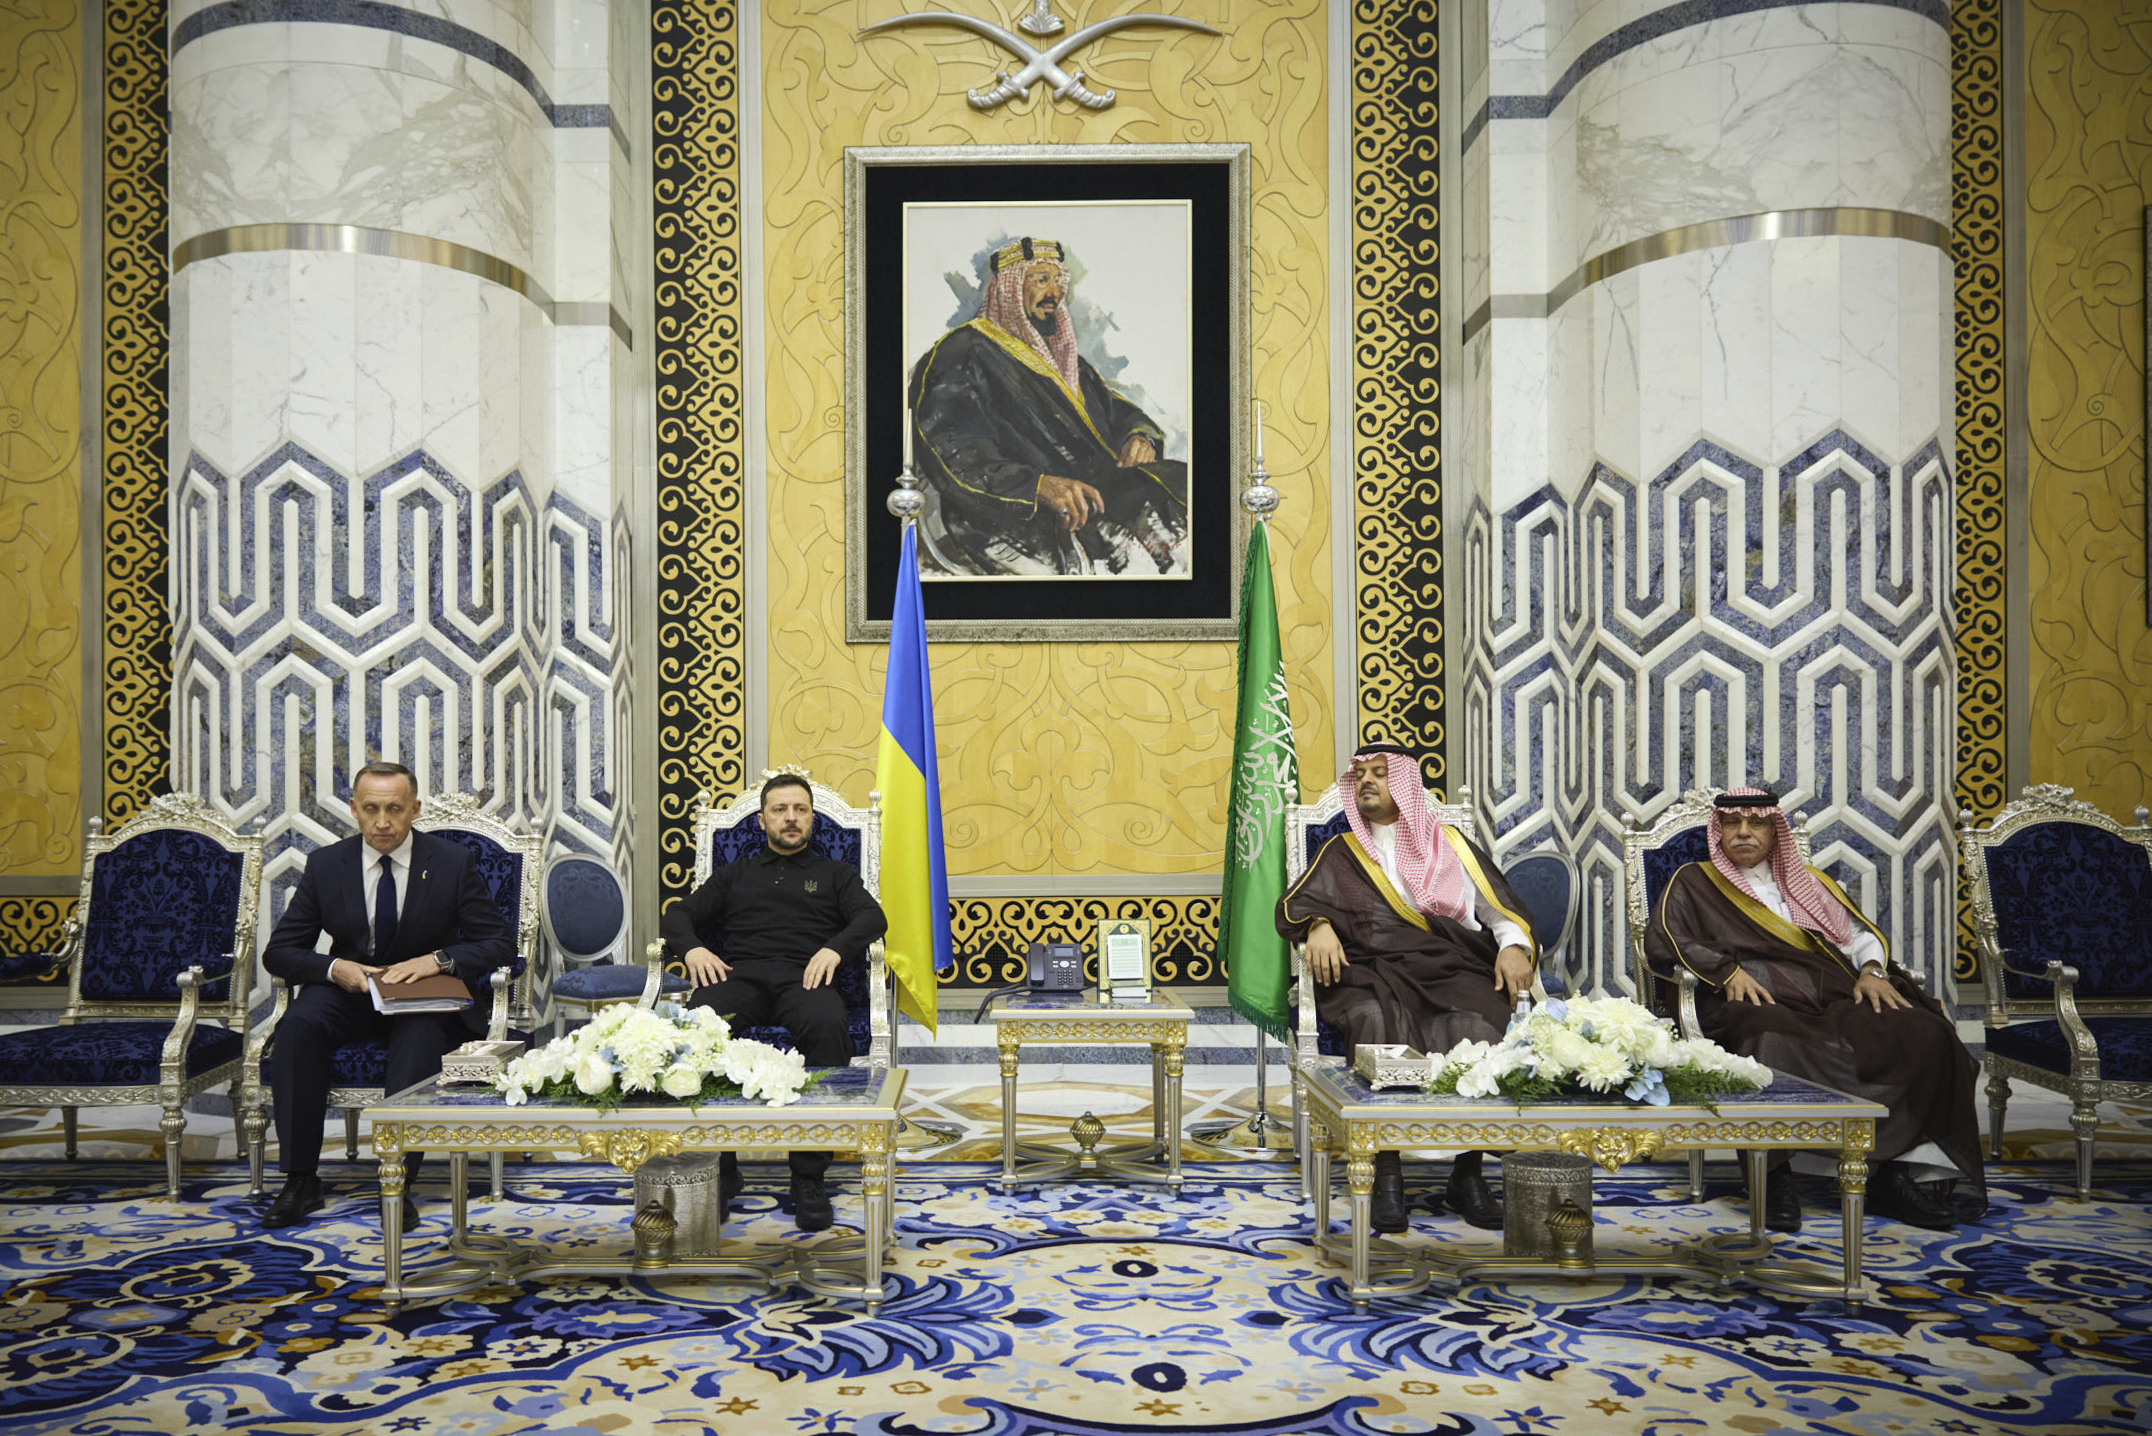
397,905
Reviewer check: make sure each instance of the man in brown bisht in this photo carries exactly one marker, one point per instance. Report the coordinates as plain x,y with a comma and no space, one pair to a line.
1793,976
1411,936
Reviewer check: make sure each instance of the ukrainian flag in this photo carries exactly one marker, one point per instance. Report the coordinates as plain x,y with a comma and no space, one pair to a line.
915,876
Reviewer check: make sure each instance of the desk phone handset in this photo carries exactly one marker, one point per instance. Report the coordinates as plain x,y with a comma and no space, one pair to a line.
1048,967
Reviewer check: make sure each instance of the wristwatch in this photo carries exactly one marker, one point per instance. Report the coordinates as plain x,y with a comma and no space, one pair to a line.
444,962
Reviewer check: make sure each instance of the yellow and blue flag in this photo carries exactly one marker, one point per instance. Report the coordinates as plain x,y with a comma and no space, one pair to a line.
915,875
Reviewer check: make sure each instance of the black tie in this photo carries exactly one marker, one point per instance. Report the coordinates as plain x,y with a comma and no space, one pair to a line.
384,910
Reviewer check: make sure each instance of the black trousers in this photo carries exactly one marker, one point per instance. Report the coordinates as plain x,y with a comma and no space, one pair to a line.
766,992
322,1018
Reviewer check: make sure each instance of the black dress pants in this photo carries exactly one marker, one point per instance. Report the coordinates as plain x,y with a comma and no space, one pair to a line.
322,1018
766,992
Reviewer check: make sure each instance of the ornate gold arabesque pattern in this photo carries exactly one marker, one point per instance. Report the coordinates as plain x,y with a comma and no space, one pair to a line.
41,329
1064,758
701,550
1396,382
2088,153
1976,171
990,935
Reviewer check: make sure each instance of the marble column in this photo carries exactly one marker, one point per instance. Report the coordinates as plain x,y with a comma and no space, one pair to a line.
1711,540
399,362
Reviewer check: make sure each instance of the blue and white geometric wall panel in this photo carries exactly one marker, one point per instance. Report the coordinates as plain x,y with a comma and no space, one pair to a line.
578,776
321,620
1726,622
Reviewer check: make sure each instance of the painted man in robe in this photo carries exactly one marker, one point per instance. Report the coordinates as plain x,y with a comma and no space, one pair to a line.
1412,936
1794,976
1033,464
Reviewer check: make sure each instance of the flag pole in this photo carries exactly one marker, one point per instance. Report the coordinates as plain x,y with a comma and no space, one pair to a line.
905,504
1255,1132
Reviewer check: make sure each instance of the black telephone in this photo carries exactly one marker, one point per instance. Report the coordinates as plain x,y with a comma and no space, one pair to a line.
1048,967
1054,967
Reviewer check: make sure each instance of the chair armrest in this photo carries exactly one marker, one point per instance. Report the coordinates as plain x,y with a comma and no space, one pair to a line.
653,973
172,1062
497,1024
1304,1053
1687,1023
18,966
258,1039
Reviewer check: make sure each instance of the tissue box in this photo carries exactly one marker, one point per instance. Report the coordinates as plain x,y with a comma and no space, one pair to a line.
1386,1064
478,1062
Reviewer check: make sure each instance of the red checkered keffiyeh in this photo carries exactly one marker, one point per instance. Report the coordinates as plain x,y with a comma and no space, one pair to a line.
1809,902
1003,306
1433,875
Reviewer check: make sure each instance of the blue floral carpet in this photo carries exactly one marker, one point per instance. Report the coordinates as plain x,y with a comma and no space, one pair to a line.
1073,1310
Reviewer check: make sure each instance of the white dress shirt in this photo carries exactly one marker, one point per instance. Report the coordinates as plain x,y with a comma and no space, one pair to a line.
1864,950
370,882
1506,933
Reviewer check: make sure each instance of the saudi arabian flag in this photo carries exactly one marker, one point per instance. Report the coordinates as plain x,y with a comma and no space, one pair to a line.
1266,777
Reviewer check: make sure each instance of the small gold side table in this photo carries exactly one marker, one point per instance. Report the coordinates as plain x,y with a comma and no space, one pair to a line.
1079,1019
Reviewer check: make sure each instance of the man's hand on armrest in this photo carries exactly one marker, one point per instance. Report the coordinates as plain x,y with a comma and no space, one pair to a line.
1513,972
1325,955
705,968
821,969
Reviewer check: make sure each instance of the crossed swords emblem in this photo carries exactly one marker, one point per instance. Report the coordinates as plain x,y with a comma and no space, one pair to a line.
1039,64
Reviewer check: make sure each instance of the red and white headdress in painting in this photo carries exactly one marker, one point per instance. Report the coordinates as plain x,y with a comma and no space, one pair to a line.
1433,875
1003,305
1810,902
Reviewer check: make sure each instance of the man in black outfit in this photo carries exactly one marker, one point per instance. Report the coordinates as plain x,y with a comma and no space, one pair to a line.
397,905
787,917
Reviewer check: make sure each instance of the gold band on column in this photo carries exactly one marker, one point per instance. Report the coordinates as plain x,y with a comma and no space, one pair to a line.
1840,222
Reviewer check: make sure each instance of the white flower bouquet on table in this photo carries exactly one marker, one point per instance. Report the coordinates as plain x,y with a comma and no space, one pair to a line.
1596,1045
672,1051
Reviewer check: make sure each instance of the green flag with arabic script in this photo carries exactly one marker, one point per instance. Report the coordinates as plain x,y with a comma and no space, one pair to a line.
1266,777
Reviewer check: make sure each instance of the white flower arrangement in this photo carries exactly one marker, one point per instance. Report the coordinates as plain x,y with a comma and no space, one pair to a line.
686,1053
1595,1045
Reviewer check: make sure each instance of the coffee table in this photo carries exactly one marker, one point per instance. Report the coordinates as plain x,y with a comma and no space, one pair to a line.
852,1109
1349,1120
1075,1018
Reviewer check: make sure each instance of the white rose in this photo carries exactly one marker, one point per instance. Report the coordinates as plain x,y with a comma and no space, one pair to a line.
593,1074
682,1082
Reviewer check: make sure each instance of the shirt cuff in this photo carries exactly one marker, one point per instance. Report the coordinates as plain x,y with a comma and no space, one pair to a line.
1508,934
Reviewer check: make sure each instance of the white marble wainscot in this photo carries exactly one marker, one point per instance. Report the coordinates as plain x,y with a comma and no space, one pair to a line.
1728,621
321,618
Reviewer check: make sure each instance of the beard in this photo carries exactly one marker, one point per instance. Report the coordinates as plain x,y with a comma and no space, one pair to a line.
1048,324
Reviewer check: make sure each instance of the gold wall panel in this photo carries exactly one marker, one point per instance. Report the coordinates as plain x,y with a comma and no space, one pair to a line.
990,935
41,756
137,653
1066,758
2088,176
701,497
1977,178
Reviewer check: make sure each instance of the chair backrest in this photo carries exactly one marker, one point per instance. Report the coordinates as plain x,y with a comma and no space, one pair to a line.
1547,882
841,831
583,904
2055,879
1307,827
508,864
1652,853
176,887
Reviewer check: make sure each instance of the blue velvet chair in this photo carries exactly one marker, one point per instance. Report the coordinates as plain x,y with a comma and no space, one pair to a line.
508,861
1307,827
2062,904
1651,854
841,831
1547,882
159,959
585,910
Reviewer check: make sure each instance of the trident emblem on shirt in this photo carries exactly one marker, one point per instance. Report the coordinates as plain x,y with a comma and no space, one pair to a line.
1039,64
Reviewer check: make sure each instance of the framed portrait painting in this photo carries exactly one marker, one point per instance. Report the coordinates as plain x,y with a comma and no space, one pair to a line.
1054,338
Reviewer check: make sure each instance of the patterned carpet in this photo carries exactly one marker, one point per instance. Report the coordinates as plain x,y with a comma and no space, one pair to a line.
1073,1310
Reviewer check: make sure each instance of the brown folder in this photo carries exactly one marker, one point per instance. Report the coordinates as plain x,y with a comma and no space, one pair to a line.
443,992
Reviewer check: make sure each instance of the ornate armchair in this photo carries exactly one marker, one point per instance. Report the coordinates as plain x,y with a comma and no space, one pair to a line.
1651,854
2062,904
585,907
159,959
843,832
1307,827
508,861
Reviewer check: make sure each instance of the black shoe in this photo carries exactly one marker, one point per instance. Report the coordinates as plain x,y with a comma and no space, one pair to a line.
1893,1194
1387,1213
1781,1200
810,1205
1468,1195
300,1199
729,1185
